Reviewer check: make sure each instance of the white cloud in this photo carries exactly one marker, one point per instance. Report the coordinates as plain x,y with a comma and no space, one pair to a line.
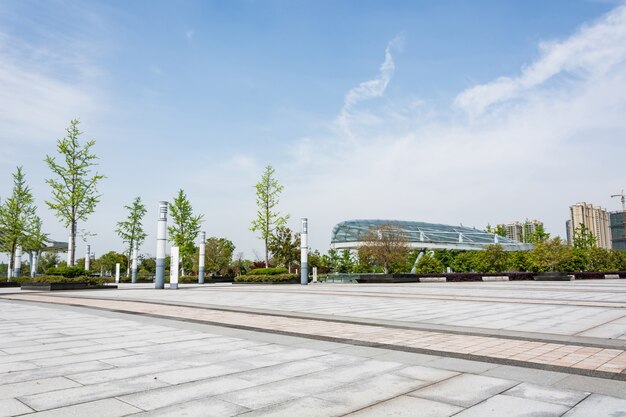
549,145
590,53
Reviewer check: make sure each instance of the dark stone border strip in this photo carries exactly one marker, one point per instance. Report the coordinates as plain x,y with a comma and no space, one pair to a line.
466,356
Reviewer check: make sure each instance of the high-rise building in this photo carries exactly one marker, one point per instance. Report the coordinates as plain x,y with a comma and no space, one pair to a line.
618,230
596,219
521,231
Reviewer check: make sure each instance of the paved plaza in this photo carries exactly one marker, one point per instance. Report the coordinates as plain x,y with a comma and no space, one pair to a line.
448,349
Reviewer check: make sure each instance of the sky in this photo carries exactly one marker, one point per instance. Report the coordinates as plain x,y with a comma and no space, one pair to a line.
453,112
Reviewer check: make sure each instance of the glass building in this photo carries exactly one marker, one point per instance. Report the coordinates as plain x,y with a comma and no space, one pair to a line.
618,230
350,234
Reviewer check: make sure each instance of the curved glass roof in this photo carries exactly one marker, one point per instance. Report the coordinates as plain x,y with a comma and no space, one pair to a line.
428,234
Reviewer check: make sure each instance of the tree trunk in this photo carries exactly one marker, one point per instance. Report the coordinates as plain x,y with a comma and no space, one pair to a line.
72,244
267,255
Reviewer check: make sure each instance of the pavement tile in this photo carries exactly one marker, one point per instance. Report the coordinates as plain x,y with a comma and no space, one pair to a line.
60,370
197,408
69,396
166,396
464,390
599,405
12,407
109,407
18,389
502,405
366,392
406,406
425,374
301,407
547,394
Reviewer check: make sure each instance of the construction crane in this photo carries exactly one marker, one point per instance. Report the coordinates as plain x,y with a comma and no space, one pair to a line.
623,199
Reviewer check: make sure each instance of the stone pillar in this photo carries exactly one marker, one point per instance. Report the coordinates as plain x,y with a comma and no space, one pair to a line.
159,282
174,259
117,273
134,264
304,253
18,262
88,258
201,258
314,275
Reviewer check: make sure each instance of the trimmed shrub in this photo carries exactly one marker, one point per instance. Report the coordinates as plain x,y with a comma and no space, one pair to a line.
268,271
266,278
66,271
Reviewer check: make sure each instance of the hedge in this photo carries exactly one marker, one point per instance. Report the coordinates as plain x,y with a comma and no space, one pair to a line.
66,271
268,271
266,278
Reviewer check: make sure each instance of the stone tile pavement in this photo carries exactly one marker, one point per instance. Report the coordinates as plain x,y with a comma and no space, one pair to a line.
595,361
84,362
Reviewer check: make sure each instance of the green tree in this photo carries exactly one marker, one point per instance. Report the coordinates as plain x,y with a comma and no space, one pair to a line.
386,247
18,219
131,229
284,245
492,259
186,226
74,189
519,261
550,255
539,235
148,265
464,262
46,261
218,255
346,261
268,220
499,230
429,265
583,238
107,262
330,261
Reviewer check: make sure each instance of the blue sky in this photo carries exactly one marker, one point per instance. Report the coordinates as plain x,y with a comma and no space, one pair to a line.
448,111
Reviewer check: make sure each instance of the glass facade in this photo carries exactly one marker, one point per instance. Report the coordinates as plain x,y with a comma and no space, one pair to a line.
618,230
419,234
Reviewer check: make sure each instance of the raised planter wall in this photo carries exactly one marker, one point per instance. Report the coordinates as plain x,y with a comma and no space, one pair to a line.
64,286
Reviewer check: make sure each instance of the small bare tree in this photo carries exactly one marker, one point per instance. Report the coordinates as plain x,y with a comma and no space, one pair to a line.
385,246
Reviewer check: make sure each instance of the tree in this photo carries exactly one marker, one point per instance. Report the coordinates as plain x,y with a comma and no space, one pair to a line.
346,261
47,260
429,265
107,261
18,219
74,190
385,246
539,235
499,230
185,228
268,220
550,255
131,229
464,262
330,261
492,259
284,246
583,238
218,255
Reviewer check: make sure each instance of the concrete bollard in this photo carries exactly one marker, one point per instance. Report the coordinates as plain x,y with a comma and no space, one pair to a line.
117,273
201,258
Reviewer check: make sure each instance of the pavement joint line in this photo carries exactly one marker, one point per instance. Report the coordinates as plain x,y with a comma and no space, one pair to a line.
601,325
436,328
621,375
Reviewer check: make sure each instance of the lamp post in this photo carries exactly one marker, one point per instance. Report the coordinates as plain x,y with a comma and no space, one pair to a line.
304,253
201,258
159,282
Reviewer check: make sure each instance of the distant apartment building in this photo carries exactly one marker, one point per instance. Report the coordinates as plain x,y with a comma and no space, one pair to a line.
521,231
596,219
618,230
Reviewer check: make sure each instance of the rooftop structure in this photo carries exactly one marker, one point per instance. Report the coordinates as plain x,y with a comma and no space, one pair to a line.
420,235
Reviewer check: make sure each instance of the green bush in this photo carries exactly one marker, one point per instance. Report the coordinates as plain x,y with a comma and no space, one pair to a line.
59,278
268,271
66,271
266,278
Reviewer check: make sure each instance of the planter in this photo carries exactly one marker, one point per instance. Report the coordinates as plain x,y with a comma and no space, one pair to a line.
64,286
11,284
554,276
386,278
